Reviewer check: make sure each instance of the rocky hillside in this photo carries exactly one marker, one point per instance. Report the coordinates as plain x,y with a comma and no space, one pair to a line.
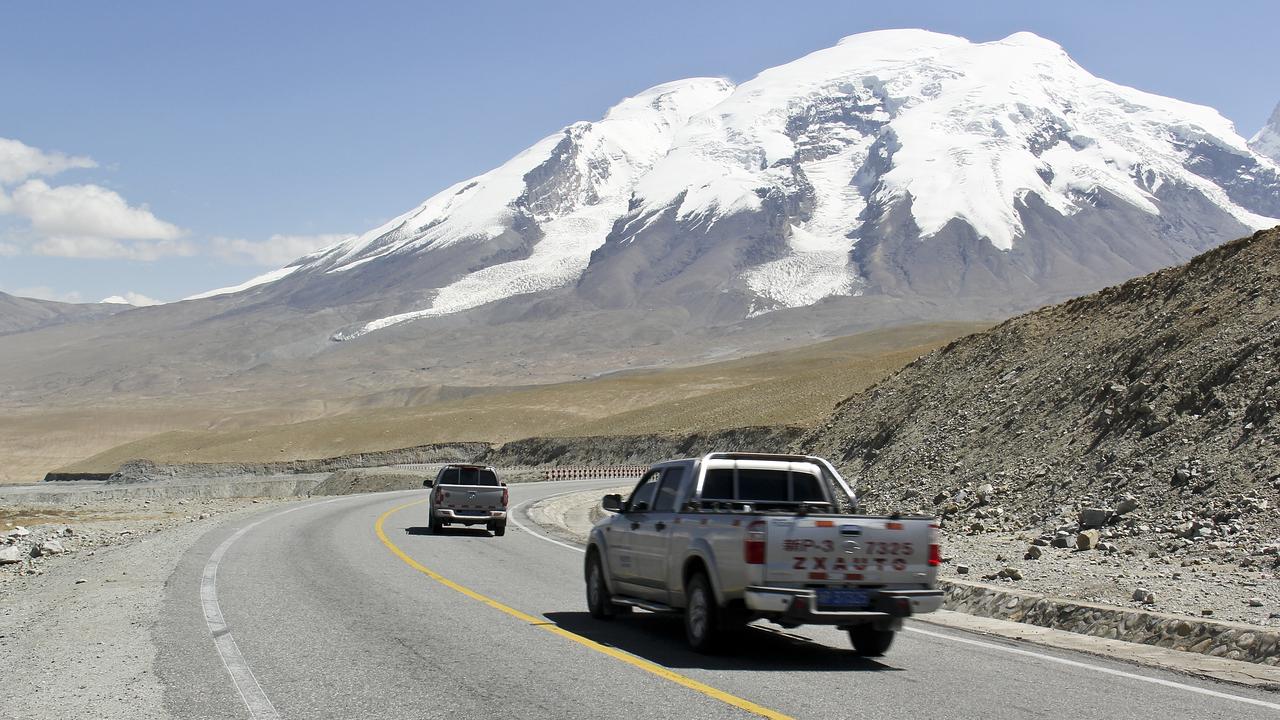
1158,399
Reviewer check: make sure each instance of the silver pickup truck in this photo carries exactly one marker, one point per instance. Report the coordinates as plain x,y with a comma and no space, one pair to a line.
467,495
733,537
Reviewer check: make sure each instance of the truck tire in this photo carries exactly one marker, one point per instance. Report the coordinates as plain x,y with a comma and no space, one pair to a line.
870,642
434,524
498,529
701,615
599,601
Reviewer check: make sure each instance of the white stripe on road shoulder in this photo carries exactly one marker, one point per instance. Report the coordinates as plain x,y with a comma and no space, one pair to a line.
515,511
1097,668
255,700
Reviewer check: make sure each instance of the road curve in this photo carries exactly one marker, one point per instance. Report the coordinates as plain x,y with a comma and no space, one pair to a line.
348,608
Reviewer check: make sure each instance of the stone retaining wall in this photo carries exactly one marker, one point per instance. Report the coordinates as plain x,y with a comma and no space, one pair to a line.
1233,641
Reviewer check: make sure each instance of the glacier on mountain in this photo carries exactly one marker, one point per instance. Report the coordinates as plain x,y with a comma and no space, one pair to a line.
956,131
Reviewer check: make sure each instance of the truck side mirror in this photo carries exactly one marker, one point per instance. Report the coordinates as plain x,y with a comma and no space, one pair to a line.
428,483
612,503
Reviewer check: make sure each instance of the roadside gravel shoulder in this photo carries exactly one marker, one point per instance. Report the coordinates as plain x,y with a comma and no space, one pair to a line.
76,637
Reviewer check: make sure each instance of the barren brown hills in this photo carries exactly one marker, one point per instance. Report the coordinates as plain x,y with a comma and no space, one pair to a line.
798,386
1164,390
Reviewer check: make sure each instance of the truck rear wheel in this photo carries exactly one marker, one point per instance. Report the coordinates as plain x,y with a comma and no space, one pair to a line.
434,524
870,642
701,615
498,528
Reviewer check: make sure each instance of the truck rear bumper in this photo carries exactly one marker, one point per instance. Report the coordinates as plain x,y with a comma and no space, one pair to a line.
461,518
799,605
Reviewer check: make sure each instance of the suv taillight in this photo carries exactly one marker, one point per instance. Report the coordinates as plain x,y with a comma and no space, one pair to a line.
935,555
753,543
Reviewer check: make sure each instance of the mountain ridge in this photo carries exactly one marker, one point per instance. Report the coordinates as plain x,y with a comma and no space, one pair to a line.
1267,140
814,180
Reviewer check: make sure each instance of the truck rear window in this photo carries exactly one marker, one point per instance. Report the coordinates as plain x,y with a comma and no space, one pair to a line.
467,476
749,485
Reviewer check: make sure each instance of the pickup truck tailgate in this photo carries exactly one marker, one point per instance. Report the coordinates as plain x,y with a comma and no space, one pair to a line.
835,550
477,498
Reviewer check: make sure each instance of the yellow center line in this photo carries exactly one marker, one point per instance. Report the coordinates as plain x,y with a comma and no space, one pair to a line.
541,624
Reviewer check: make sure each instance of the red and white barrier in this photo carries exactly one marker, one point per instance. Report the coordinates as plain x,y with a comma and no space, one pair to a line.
591,472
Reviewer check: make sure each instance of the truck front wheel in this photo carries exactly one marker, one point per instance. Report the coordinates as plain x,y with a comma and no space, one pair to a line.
599,602
701,616
870,642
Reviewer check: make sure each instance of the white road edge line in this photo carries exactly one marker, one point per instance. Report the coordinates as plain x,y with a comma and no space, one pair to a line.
511,516
1096,668
255,700
979,643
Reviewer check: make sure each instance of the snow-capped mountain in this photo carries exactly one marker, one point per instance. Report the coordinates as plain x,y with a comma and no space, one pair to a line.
1267,141
902,164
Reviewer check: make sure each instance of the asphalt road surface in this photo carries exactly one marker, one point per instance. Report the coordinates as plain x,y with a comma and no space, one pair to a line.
348,608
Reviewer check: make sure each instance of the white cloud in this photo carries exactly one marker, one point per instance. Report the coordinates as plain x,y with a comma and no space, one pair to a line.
275,251
86,211
79,221
19,161
131,298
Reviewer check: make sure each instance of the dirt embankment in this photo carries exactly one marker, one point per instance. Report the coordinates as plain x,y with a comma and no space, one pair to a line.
638,449
531,453
146,471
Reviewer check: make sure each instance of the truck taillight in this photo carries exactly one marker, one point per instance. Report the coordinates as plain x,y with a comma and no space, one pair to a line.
935,555
505,496
753,543
439,495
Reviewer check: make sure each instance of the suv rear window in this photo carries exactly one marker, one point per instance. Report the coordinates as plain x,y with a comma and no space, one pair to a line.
467,476
752,485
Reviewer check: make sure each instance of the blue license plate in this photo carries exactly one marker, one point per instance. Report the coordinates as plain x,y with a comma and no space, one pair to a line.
842,598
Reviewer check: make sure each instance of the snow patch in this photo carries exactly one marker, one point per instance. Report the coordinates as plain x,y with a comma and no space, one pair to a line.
262,279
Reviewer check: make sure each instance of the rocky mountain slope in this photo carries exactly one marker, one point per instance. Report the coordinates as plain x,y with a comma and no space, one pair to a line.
1158,399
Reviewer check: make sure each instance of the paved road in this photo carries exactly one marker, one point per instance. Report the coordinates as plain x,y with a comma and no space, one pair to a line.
333,620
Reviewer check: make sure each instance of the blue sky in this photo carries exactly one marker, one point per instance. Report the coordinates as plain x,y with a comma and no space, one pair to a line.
214,140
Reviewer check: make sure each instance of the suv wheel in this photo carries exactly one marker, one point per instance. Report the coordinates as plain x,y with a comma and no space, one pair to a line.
599,602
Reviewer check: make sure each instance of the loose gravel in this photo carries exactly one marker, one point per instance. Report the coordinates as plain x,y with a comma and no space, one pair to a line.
75,627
